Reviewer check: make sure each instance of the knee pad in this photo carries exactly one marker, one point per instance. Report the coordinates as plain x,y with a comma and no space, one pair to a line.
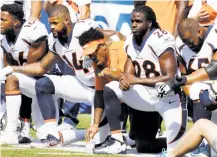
206,101
45,85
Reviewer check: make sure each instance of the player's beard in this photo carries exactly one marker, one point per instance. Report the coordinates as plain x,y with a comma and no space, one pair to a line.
61,33
198,47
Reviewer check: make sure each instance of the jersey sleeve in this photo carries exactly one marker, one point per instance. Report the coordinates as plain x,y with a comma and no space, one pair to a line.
179,45
1,39
161,41
1,54
211,38
32,31
52,43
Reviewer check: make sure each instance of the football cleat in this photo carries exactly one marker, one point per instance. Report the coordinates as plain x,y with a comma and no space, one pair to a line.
52,140
24,136
111,146
202,151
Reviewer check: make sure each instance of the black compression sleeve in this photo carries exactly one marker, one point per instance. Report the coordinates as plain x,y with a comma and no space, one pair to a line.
98,99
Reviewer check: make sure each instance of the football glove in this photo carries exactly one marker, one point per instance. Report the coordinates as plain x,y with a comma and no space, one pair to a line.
87,62
171,86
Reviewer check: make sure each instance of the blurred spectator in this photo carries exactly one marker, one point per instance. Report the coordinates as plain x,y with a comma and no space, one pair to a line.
168,13
79,9
84,8
35,10
205,11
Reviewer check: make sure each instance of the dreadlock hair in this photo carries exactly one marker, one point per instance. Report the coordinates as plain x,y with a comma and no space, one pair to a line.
90,35
19,2
138,3
15,10
149,14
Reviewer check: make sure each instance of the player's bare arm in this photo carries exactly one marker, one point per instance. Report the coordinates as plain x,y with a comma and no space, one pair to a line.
202,74
48,4
183,70
128,71
39,68
181,6
109,33
35,9
85,11
37,50
111,73
98,105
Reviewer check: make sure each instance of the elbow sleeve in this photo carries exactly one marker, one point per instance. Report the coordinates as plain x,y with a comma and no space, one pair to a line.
211,69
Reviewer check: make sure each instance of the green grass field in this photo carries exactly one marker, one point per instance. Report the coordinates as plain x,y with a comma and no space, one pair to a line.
8,151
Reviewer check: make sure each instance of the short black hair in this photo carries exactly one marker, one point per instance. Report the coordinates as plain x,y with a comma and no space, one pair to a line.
15,10
148,13
58,9
90,35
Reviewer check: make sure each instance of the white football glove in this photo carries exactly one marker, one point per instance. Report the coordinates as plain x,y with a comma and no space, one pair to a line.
164,89
87,62
5,72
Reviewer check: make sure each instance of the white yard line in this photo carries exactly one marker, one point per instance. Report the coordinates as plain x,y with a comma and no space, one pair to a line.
13,148
74,148
43,153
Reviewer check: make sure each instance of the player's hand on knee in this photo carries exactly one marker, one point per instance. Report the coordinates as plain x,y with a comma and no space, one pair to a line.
5,72
163,88
124,84
170,86
91,131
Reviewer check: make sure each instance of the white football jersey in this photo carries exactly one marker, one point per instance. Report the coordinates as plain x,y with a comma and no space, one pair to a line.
72,56
146,57
193,60
30,33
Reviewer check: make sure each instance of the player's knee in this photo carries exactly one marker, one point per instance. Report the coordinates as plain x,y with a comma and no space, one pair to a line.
200,123
12,83
45,85
143,146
